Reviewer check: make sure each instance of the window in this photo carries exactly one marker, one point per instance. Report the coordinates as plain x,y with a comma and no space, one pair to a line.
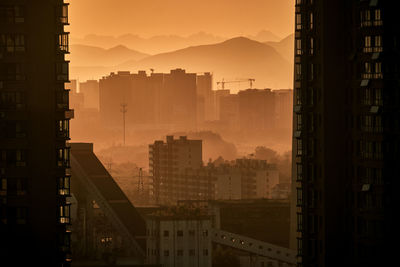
179,233
192,252
299,247
179,252
63,14
378,70
62,99
62,42
21,215
11,14
3,186
62,71
298,21
377,18
205,252
166,233
299,196
298,96
367,44
298,2
311,74
299,51
191,232
12,43
63,129
299,222
299,147
378,44
64,185
311,46
205,233
166,253
298,71
12,100
299,171
64,213
63,157
12,72
299,122
365,18
311,21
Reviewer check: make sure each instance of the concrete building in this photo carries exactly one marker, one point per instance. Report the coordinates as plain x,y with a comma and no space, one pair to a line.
170,160
90,91
283,109
346,133
245,179
229,111
205,107
179,238
34,128
256,110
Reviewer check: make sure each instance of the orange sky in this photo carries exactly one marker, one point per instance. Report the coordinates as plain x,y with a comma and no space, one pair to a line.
146,18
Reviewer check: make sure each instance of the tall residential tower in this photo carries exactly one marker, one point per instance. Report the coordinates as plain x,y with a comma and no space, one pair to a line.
346,132
34,128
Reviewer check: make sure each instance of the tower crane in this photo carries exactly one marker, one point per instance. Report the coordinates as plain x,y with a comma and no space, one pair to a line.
223,82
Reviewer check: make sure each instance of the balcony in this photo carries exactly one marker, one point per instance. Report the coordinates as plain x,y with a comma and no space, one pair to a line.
62,71
63,14
64,214
63,42
64,185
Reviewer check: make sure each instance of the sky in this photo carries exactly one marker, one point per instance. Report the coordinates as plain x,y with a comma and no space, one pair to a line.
226,18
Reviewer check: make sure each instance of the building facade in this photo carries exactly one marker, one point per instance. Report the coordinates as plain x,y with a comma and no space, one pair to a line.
34,128
168,163
179,238
345,132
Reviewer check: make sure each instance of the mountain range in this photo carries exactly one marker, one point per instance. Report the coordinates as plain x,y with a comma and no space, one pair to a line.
269,63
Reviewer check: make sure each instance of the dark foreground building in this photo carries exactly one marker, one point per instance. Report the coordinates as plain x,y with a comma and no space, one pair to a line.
346,132
34,127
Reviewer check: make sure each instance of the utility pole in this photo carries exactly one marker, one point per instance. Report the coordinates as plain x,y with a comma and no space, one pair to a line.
124,110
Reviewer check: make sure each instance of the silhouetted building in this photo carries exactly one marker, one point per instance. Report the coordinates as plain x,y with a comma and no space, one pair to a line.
217,94
90,91
34,128
283,109
115,90
346,132
179,107
165,99
205,107
168,163
256,110
229,111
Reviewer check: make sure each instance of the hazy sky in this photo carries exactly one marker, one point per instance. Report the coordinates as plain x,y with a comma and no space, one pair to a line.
182,17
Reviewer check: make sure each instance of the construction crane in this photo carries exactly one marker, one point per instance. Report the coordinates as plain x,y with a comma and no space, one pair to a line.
223,82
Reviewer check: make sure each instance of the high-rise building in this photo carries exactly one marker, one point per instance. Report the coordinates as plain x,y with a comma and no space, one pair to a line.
168,162
34,128
256,110
346,132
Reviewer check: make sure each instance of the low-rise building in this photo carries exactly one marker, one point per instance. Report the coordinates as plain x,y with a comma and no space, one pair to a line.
179,237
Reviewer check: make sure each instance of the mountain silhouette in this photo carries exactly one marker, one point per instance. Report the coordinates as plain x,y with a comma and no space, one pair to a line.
237,58
285,47
83,55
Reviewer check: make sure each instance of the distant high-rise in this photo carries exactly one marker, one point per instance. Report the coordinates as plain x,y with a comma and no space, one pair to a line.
34,128
346,132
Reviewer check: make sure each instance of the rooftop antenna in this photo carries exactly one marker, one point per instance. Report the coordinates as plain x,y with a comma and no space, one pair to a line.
124,110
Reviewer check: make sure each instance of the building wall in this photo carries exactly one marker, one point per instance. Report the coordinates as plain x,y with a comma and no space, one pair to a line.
90,91
179,242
